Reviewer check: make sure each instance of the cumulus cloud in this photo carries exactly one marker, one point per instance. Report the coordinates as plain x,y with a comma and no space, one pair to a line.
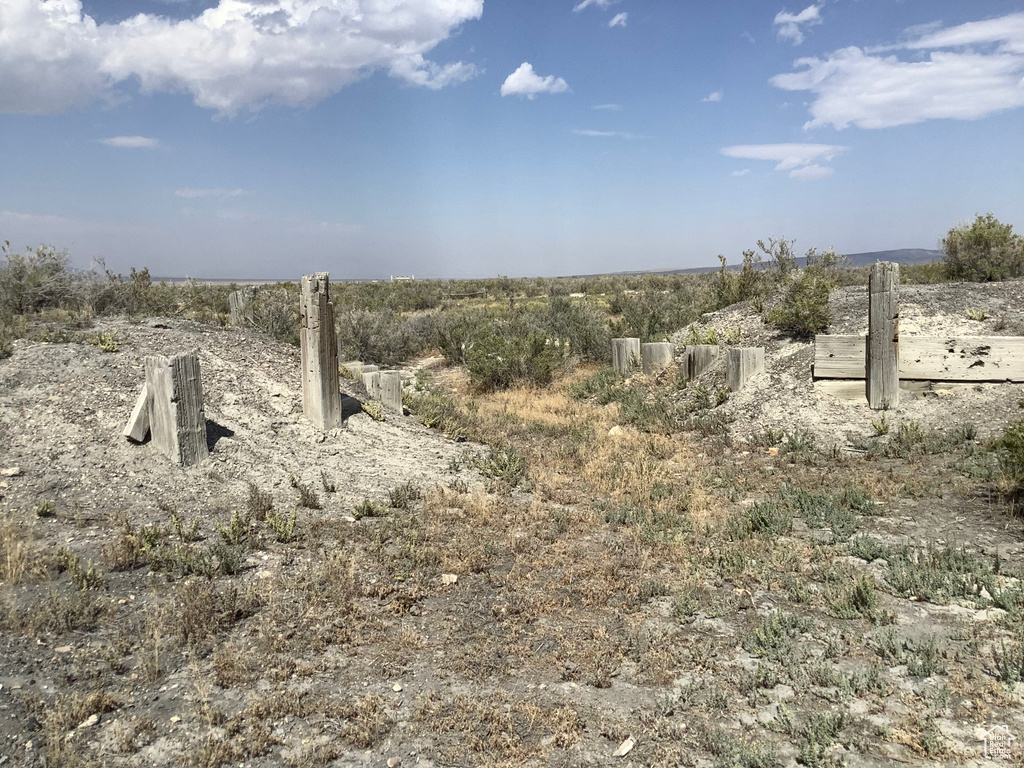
791,25
525,82
618,20
584,4
801,160
971,70
240,54
713,96
741,172
131,142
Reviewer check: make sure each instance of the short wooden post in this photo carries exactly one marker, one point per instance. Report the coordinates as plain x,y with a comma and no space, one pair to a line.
177,418
698,358
883,359
657,356
391,390
240,305
371,383
625,355
741,364
321,383
353,369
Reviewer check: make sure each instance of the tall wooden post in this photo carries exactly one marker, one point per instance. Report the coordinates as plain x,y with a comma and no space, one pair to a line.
240,305
883,359
177,418
625,355
321,384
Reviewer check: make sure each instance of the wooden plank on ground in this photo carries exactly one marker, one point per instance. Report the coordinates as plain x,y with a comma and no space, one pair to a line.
962,358
840,357
138,423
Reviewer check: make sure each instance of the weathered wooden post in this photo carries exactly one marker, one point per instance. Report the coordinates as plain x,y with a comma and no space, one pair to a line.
698,358
240,305
625,355
883,358
371,382
177,419
741,364
391,390
657,356
321,383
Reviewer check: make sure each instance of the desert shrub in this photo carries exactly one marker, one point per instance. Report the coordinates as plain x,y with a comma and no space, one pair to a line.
749,282
383,336
34,280
511,352
984,251
275,311
803,308
652,315
580,325
1011,454
457,332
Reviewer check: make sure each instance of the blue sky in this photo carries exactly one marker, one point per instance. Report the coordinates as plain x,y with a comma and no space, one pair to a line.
447,138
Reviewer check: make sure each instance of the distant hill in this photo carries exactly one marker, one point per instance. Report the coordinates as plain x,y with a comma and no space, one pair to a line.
899,255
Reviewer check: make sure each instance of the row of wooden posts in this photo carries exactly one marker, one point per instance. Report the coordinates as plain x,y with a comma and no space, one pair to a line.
629,355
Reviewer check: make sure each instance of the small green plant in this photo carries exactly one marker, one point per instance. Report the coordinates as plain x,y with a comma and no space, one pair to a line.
773,638
237,530
46,508
881,425
977,315
373,409
402,496
856,600
105,340
185,533
259,503
284,527
308,497
329,485
367,508
926,656
506,464
83,577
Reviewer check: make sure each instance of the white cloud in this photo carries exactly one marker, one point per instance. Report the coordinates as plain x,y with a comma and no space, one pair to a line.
618,20
192,193
741,172
790,25
971,70
240,54
801,160
604,134
748,37
608,107
525,82
713,96
811,172
584,4
131,142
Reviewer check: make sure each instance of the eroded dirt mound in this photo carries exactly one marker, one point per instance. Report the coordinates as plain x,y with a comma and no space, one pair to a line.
784,396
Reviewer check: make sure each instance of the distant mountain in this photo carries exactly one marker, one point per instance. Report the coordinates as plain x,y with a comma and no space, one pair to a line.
899,255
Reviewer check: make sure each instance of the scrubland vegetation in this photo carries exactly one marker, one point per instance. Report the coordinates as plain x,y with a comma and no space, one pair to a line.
743,600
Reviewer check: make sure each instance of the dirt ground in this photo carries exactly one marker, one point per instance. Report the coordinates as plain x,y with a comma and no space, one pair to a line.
659,601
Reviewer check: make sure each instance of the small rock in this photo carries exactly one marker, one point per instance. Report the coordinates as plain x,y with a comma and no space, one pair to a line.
63,649
397,687
615,431
11,471
392,762
90,721
747,719
773,451
448,579
175,719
